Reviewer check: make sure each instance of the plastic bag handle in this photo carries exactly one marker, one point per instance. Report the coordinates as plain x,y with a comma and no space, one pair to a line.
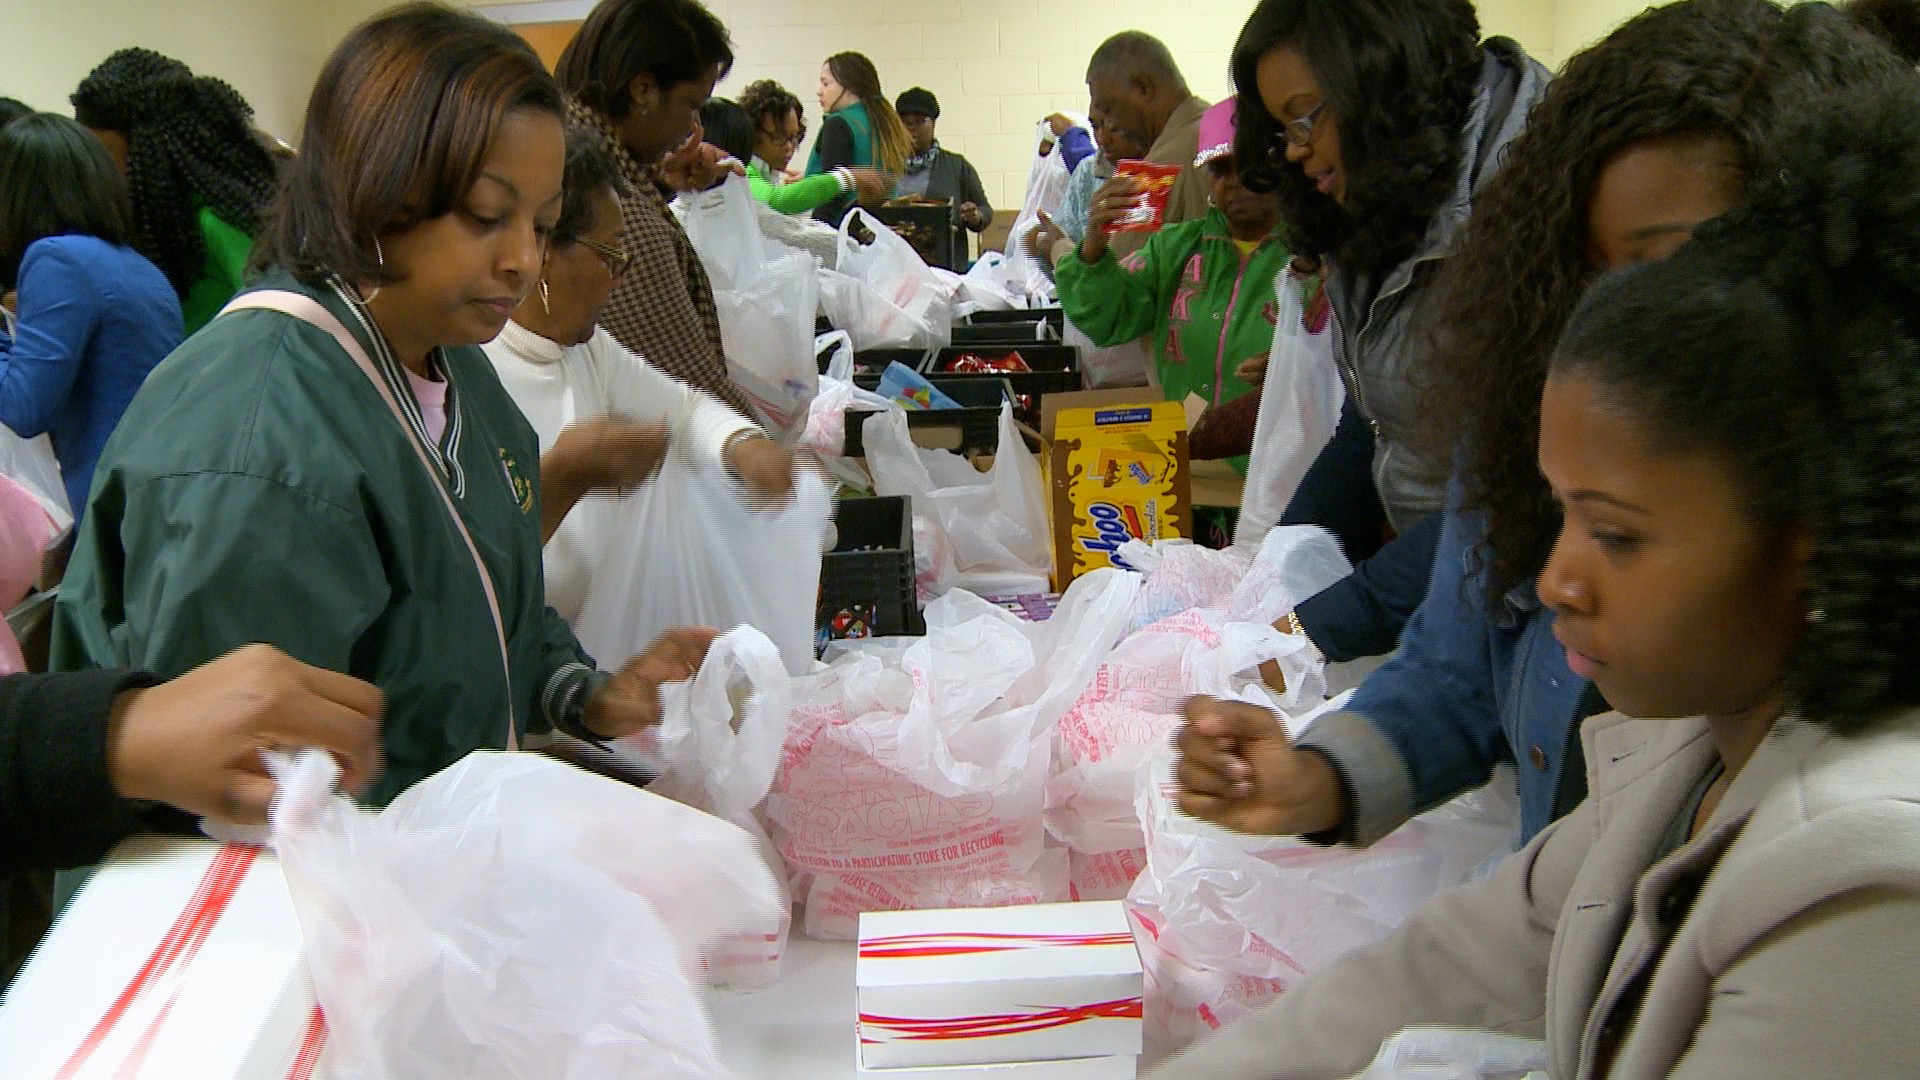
308,310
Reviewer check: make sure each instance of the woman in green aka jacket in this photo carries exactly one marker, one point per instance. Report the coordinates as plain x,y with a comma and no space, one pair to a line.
778,131
861,130
197,171
376,514
1202,289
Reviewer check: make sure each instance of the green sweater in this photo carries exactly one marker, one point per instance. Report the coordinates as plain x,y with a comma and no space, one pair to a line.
803,196
259,490
223,275
1207,308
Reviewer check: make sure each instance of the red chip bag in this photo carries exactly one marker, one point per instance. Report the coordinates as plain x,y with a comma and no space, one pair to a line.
1149,210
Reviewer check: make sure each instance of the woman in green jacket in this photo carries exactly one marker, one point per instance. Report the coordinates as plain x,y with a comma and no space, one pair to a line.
778,131
861,130
196,168
1203,289
375,514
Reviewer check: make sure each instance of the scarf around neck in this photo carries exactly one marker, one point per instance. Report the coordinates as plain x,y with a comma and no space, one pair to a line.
919,163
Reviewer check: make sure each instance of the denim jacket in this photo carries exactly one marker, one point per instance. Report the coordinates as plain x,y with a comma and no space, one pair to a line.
1469,689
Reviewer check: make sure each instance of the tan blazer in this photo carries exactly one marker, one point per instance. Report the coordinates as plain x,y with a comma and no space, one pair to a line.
1178,144
1800,958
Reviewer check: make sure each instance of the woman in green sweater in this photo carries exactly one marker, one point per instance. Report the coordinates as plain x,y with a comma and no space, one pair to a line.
861,130
778,131
1203,290
340,474
198,173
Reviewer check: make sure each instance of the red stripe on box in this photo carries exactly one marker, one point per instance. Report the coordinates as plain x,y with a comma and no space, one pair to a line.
181,943
906,1029
311,1043
909,946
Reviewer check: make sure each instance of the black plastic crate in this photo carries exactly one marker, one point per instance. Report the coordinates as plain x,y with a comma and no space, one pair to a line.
1056,370
872,565
977,419
1054,316
1026,332
874,361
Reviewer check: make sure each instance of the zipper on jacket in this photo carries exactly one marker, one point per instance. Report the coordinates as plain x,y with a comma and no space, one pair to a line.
1226,324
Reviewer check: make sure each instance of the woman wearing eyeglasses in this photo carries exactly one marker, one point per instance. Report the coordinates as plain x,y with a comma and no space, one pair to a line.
779,128
603,415
1376,122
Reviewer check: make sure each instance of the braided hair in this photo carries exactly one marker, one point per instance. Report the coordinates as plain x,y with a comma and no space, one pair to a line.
190,144
1784,340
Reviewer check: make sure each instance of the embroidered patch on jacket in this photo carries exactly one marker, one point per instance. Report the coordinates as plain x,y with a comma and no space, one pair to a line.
521,487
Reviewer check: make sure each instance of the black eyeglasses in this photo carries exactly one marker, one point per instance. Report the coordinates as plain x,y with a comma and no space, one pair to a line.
1300,132
618,260
794,139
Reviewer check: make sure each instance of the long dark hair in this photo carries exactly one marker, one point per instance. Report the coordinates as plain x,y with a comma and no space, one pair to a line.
397,129
1896,22
190,144
1730,72
1785,341
1400,76
55,180
857,75
728,127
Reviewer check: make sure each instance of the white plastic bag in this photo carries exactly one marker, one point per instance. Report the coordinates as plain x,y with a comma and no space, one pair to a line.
512,918
883,294
1299,408
715,749
31,464
1126,364
766,294
982,532
1020,274
1439,1053
1227,922
688,549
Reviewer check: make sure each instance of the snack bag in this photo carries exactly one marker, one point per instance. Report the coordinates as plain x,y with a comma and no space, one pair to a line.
1149,210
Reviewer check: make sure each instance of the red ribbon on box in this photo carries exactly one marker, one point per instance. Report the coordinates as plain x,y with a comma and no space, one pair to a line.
981,1027
907,946
169,961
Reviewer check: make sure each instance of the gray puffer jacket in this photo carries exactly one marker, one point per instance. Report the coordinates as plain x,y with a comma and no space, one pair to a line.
1382,346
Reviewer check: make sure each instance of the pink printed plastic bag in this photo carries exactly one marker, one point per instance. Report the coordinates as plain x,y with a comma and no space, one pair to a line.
1227,922
916,780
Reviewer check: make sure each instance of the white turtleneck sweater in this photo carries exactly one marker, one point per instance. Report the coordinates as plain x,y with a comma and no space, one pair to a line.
556,386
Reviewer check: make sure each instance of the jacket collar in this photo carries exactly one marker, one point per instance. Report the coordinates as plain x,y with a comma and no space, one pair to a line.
445,454
1176,142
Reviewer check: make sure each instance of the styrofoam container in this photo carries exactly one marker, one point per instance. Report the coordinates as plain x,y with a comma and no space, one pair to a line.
982,986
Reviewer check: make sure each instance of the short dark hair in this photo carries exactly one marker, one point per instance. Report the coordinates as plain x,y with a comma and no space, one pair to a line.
673,41
591,167
767,100
12,109
397,129
55,180
1400,76
1784,340
1131,53
728,127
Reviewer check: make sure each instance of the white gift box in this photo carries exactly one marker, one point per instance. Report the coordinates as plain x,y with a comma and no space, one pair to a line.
180,958
983,986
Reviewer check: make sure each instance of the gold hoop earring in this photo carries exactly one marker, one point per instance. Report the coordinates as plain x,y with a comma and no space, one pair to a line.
380,259
544,304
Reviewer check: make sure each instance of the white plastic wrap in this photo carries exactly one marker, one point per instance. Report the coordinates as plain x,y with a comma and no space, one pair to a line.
690,549
1299,409
512,918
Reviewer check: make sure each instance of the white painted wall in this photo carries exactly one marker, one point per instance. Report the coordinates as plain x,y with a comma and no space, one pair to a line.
268,49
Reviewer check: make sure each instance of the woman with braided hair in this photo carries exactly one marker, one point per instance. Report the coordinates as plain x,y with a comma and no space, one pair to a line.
197,171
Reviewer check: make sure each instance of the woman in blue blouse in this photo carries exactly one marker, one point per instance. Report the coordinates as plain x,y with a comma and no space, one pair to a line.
94,316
